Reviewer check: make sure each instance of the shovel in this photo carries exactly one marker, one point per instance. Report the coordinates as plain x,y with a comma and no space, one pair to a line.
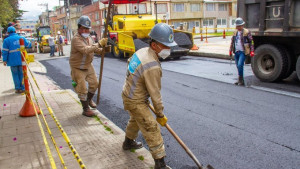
188,151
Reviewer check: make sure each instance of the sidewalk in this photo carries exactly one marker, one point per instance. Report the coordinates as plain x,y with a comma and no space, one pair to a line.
216,47
21,143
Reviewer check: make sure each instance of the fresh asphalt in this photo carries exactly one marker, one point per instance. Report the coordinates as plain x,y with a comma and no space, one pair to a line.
227,126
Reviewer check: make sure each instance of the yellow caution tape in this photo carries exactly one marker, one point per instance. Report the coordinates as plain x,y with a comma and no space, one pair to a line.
64,134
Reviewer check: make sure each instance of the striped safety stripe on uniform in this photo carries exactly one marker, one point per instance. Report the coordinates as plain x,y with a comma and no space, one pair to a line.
139,73
5,49
16,50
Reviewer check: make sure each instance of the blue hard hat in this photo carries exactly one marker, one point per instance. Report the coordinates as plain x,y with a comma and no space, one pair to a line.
164,34
11,29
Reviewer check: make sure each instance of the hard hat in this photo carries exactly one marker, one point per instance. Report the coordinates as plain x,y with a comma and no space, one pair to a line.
58,32
163,34
239,22
84,21
11,29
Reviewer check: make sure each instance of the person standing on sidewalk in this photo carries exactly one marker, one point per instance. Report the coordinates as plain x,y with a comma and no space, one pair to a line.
241,45
12,57
60,43
82,70
143,80
52,45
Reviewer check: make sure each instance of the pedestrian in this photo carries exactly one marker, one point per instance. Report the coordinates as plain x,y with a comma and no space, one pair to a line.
60,43
12,57
82,70
143,80
52,45
241,45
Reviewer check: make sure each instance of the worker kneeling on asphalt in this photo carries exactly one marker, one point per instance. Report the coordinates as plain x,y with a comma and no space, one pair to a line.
143,79
82,70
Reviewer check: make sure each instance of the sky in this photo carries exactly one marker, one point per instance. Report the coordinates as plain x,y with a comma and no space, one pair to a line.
34,10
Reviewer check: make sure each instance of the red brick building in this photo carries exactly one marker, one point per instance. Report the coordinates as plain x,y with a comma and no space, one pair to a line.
94,13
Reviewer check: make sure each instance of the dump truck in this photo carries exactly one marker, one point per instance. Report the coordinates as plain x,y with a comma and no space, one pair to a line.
129,33
43,33
275,27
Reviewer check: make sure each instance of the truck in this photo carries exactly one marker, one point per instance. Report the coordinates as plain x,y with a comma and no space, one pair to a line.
43,33
129,33
275,27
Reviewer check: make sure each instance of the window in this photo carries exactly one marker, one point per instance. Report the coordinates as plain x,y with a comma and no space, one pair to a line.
178,7
208,22
78,9
191,24
135,9
162,8
97,16
210,7
121,25
195,7
197,24
221,22
176,24
222,7
233,22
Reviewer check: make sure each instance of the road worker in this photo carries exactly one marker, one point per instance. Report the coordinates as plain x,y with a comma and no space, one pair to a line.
60,44
143,80
82,70
12,57
241,45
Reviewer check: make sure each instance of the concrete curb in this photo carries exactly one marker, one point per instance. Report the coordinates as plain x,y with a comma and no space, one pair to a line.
210,55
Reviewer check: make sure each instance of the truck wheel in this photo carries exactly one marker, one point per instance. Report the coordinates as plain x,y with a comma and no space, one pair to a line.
298,67
270,63
117,52
290,61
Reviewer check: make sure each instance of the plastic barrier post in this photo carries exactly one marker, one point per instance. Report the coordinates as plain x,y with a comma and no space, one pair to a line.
206,41
27,109
224,34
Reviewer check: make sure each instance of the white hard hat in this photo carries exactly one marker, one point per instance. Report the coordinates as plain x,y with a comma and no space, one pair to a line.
58,32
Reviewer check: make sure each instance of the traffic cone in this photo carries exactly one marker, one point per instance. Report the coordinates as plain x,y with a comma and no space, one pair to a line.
195,47
27,109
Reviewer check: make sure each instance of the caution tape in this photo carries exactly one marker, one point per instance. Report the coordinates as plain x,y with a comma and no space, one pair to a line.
64,134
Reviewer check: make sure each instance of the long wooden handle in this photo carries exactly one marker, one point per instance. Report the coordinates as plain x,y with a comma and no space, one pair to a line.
103,52
188,151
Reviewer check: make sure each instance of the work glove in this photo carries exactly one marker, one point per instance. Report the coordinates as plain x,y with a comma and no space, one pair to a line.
162,120
251,53
103,42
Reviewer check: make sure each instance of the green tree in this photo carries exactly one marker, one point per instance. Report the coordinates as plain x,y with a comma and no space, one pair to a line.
6,11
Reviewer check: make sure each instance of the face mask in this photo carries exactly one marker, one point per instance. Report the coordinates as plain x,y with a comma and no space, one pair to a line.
85,35
164,53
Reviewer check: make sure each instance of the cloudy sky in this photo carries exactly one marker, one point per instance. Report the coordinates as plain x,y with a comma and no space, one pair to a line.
34,10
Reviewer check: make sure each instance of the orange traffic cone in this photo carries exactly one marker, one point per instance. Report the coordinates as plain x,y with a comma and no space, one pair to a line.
28,109
195,47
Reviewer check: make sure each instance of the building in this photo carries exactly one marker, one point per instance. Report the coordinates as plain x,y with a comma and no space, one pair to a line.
54,23
75,13
78,2
27,27
62,20
44,19
94,13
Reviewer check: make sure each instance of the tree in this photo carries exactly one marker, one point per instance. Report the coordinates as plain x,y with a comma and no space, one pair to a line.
9,11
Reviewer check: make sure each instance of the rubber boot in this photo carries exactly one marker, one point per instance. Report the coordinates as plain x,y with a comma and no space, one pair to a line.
160,164
86,110
241,81
90,100
129,144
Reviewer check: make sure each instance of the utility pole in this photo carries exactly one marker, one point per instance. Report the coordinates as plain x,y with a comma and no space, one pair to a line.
47,10
68,20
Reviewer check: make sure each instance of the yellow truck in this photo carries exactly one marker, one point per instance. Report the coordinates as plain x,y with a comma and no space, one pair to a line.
129,33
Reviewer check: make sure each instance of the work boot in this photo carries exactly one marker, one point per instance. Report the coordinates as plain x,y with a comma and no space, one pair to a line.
160,164
241,81
131,144
90,96
237,82
86,110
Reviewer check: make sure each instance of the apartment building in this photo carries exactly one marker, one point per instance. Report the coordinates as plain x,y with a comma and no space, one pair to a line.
53,23
94,13
75,14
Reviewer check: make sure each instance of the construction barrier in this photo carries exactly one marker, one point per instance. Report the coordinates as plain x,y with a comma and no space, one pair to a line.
28,107
59,126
